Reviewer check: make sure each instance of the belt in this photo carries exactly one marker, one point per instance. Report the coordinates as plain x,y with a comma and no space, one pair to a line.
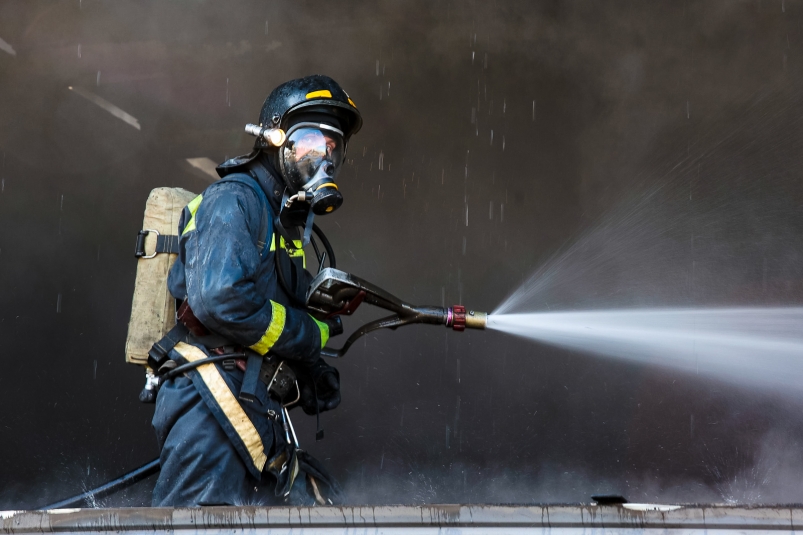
273,374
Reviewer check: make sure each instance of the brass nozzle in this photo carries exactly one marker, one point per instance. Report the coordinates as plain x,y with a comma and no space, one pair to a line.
476,320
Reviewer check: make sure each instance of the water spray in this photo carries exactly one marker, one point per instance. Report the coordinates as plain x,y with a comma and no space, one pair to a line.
335,293
749,346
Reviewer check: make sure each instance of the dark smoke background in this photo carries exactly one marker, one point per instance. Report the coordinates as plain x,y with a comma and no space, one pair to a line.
495,134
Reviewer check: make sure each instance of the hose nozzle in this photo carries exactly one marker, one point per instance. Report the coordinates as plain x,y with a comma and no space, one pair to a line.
458,319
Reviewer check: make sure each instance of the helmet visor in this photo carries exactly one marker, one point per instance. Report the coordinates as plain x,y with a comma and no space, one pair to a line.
307,148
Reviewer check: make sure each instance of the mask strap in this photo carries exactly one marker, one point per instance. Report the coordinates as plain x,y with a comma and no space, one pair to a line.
308,227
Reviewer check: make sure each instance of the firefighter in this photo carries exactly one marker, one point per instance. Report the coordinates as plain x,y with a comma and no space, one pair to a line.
225,438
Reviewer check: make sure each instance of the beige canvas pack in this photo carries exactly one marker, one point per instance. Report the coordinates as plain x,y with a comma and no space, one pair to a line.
153,310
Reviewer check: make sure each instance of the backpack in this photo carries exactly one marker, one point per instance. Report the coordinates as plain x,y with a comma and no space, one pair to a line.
153,309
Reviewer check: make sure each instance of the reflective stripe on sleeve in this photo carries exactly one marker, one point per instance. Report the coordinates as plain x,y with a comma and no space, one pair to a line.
274,331
193,207
228,404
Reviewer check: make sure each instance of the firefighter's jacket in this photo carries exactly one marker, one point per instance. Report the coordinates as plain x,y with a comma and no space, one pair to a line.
226,269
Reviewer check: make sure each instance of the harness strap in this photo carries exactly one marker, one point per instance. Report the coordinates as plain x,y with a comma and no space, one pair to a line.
164,244
253,367
264,222
167,244
157,355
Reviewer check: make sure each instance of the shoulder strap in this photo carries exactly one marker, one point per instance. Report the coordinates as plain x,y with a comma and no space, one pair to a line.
248,180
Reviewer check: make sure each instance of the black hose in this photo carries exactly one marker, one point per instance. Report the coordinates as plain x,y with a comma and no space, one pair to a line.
317,252
208,360
111,487
147,470
326,245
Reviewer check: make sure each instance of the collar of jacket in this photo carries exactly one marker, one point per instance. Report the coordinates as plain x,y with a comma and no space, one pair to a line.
258,165
267,178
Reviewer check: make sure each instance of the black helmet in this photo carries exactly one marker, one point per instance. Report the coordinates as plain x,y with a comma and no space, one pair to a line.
316,94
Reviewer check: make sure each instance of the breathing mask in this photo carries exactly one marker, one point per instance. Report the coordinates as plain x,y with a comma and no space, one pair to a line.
310,160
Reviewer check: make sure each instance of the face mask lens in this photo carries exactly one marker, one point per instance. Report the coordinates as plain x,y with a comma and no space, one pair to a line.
306,150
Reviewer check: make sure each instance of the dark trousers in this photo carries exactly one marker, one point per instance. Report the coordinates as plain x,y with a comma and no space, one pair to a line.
199,464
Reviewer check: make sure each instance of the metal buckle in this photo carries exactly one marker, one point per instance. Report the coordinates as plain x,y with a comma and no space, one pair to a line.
140,250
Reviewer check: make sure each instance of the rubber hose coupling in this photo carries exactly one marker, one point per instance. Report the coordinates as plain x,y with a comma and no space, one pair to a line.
456,318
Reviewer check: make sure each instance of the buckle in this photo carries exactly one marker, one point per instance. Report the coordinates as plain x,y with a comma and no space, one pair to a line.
139,252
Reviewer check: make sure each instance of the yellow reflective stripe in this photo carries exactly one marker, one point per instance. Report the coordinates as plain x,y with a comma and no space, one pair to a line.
352,103
193,207
324,332
228,404
278,318
323,93
298,251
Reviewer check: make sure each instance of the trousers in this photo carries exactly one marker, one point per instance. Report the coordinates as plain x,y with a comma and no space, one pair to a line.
200,465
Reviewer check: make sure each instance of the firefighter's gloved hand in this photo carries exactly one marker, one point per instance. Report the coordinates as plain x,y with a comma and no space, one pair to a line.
323,380
329,327
335,325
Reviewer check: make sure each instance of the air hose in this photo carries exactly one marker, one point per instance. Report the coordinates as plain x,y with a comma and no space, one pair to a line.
146,470
111,487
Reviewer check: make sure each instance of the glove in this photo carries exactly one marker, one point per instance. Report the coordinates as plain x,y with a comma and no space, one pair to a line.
329,327
335,325
323,380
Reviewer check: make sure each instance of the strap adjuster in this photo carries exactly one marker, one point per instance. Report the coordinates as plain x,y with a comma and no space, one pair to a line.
140,250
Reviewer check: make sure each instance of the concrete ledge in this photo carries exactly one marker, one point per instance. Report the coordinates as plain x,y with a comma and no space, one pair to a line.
453,519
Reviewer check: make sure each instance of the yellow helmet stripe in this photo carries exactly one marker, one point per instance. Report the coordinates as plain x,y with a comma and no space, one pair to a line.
323,93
